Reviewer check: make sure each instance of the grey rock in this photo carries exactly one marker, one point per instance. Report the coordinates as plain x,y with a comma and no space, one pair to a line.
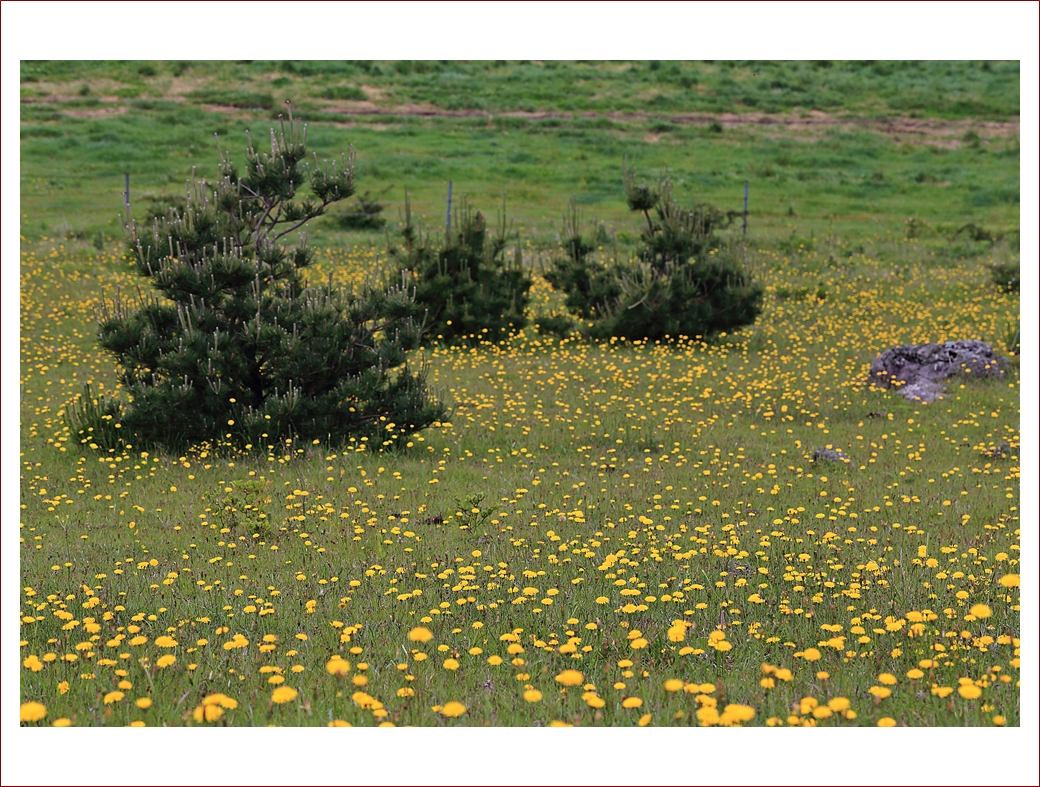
918,371
829,455
1001,451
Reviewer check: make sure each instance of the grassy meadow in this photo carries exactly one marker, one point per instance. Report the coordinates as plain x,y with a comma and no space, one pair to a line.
602,534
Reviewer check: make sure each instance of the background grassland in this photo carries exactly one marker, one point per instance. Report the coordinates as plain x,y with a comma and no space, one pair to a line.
544,134
582,497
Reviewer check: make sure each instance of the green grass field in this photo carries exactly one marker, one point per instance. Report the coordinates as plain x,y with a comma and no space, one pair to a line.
601,535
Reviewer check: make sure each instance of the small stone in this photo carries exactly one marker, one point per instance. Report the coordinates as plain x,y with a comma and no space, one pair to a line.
829,455
1001,451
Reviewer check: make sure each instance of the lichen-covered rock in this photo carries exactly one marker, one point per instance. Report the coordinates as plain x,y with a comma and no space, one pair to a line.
918,371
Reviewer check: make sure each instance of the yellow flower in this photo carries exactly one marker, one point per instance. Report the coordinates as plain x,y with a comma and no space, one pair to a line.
736,714
363,700
644,719
338,666
593,700
707,716
494,661
1010,581
143,702
453,708
631,702
838,704
165,661
113,696
339,723
887,679
533,695
33,662
32,711
880,692
420,634
914,673
166,642
570,677
283,694
63,687
62,722
811,654
673,684
451,664
220,699
969,692
207,713
886,721
981,611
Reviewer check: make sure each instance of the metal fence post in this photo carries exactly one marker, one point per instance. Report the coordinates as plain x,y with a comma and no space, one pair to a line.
447,225
745,207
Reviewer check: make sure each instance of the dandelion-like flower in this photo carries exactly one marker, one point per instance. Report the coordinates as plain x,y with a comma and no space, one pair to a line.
570,677
337,666
283,694
32,712
420,634
453,709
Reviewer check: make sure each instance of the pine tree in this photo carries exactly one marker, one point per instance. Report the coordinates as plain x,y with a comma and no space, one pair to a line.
684,281
234,346
470,287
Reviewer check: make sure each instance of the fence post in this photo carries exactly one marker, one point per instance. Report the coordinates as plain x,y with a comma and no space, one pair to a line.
744,231
126,194
447,225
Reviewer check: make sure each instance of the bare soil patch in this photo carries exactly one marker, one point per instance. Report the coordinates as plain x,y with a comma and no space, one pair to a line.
101,112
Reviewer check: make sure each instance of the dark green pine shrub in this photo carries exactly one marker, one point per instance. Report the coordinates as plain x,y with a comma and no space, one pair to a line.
364,214
1007,275
233,346
683,281
702,297
591,289
472,289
